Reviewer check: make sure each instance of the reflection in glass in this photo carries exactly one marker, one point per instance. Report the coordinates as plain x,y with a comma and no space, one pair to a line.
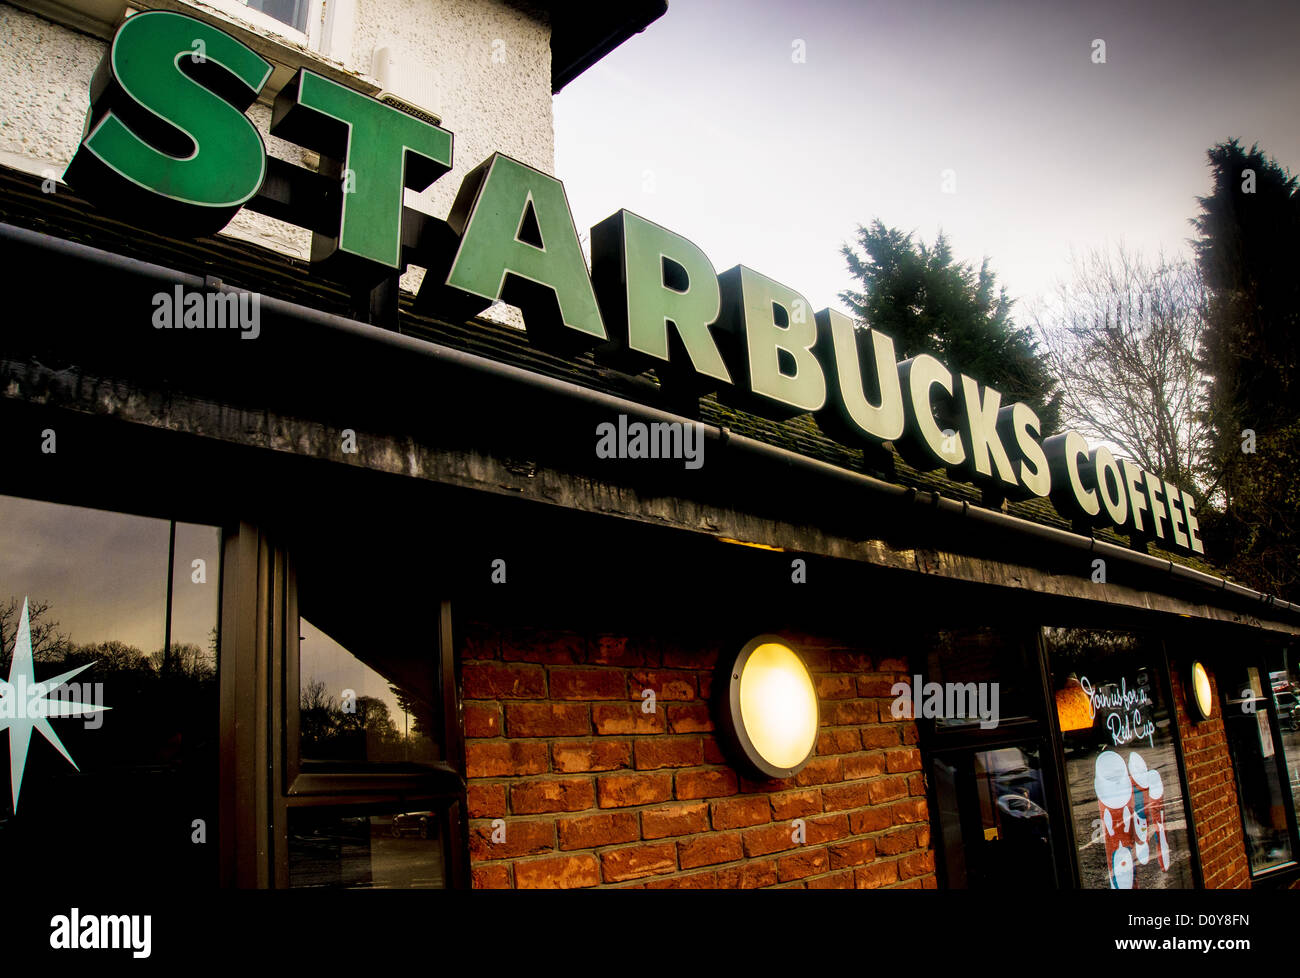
1284,680
983,656
123,596
1121,765
359,847
994,827
350,711
1247,723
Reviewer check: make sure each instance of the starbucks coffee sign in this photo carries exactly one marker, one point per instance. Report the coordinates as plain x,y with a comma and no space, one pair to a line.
168,145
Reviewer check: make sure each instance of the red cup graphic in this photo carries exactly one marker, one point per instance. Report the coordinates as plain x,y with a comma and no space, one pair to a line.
1114,789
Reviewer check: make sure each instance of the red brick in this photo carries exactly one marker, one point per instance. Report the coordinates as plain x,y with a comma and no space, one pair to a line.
892,843
624,790
828,828
709,850
591,755
913,884
915,864
870,820
636,862
614,650
880,736
875,875
479,641
795,804
689,718
705,680
854,853
562,795
494,681
655,752
482,720
548,720
838,741
749,876
667,820
485,800
808,862
559,873
533,645
523,838
900,761
840,660
878,687
504,758
916,784
626,718
838,713
713,752
892,665
820,770
714,783
494,876
910,733
668,684
591,831
911,810
836,687
692,881
588,684
683,657
887,789
768,839
841,796
835,881
734,813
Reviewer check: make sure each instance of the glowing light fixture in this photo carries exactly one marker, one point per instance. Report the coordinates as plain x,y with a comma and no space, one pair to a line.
1202,697
1073,709
770,712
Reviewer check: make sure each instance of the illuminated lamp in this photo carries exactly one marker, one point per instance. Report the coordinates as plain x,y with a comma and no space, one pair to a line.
1202,699
1073,709
767,706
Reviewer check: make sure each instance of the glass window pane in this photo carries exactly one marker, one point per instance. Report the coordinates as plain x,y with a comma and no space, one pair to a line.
349,711
121,755
1284,680
982,662
368,847
995,832
1121,763
1246,721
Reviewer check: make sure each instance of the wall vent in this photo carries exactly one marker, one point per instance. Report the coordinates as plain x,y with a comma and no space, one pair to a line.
405,86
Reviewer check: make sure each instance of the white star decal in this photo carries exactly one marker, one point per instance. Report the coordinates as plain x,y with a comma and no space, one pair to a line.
24,707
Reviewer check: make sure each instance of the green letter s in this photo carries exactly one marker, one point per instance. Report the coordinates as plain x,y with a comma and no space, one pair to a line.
167,139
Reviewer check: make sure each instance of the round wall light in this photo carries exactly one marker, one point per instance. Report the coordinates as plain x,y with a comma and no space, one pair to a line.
768,705
1202,697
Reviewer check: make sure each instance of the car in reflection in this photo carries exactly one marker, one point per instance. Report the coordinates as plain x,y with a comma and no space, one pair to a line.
1288,709
423,824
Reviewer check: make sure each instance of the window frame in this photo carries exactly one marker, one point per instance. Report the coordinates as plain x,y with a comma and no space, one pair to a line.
1290,870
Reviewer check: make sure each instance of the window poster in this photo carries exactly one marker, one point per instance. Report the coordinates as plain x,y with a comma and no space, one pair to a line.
1127,801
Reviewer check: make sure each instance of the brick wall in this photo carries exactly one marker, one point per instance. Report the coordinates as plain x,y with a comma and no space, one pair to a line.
1212,792
591,790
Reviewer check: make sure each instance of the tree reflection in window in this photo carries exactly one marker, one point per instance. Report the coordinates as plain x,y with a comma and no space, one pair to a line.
379,711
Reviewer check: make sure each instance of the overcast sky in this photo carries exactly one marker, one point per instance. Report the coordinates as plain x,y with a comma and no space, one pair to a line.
706,125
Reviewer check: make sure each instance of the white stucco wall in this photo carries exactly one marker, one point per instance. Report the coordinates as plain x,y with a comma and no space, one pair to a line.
490,62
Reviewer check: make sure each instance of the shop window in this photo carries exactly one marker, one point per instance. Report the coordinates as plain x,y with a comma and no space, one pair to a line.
1122,768
985,736
1283,668
370,799
119,760
994,826
1256,760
